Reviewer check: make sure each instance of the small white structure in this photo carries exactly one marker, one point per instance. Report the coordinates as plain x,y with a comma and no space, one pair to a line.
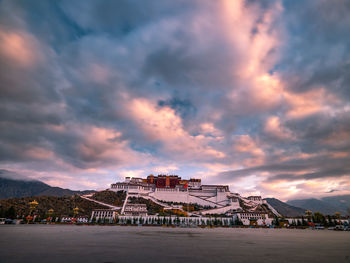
66,219
82,219
135,210
71,219
103,214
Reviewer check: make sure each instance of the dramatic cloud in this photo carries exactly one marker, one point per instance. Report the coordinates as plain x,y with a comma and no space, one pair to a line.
254,94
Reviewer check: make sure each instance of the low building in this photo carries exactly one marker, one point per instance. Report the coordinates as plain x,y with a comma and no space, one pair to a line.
256,198
135,210
249,218
103,214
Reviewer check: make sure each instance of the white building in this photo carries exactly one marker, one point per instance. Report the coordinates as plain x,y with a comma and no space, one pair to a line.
192,192
248,218
103,214
165,189
135,210
71,219
255,198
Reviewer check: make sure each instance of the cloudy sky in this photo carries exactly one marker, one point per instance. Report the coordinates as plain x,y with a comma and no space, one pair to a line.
253,94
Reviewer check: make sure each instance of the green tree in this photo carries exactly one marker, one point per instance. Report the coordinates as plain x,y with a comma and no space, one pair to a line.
303,221
232,222
238,221
319,218
11,213
299,222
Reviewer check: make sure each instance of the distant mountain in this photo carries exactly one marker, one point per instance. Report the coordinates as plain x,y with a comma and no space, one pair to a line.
325,205
10,188
341,202
285,209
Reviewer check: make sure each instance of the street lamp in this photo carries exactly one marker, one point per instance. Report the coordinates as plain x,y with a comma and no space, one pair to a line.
308,214
75,212
51,213
32,206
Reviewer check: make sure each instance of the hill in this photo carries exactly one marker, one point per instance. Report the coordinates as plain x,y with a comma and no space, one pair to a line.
325,205
10,188
61,205
285,209
110,197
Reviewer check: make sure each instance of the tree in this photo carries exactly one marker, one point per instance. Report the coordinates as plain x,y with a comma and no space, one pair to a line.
232,222
276,221
11,213
238,221
319,218
298,222
303,222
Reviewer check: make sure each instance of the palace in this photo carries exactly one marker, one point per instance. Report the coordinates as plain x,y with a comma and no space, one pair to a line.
174,193
165,189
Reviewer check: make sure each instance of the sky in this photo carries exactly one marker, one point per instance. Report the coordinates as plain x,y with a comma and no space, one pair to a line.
251,94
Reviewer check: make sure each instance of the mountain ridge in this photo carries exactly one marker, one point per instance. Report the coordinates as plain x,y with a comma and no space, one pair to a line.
12,188
325,205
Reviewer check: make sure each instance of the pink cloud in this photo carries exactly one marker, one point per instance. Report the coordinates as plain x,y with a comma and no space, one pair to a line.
20,47
310,102
274,127
162,124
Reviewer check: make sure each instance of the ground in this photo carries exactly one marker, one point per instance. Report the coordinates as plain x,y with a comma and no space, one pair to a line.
71,243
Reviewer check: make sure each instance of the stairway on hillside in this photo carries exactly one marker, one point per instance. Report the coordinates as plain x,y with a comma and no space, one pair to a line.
86,197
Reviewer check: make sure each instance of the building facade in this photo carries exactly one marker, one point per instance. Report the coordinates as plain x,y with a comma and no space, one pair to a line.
103,214
135,210
253,218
